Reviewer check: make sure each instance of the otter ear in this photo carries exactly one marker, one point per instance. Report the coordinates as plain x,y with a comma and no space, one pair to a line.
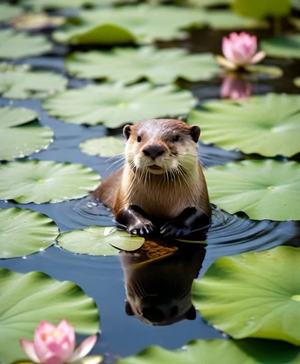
191,313
128,309
127,131
195,133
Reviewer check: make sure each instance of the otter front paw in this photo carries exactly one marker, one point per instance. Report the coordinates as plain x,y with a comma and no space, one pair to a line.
141,227
174,229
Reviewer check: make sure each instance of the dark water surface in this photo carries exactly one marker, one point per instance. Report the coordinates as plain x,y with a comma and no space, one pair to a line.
103,277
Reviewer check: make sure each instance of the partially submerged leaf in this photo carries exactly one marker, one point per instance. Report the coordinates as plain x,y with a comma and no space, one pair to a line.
104,147
262,8
19,135
287,46
255,294
159,66
268,124
45,181
96,240
17,45
263,189
26,299
24,232
115,105
18,81
9,11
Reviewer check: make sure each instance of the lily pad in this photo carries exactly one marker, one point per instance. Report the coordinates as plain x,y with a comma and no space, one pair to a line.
24,232
115,105
297,81
33,21
255,294
263,189
220,351
159,66
226,19
268,125
283,47
96,240
67,4
262,71
9,11
17,45
26,299
45,181
104,147
141,23
20,82
19,135
262,8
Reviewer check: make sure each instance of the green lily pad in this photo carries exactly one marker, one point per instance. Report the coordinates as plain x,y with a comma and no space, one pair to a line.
104,147
263,189
268,125
45,181
220,351
9,11
96,240
255,294
18,140
141,23
283,47
262,8
20,82
115,105
262,71
205,3
24,232
297,81
65,4
26,299
16,45
130,65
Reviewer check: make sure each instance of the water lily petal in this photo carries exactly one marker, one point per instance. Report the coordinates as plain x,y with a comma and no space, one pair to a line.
258,57
84,348
69,332
28,348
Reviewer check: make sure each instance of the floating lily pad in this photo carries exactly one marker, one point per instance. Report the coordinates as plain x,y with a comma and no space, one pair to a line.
65,4
226,19
283,47
204,3
262,8
220,351
9,11
141,23
262,71
24,232
32,21
297,81
45,181
263,189
96,240
130,65
17,45
20,82
115,105
268,125
19,135
254,294
104,147
26,299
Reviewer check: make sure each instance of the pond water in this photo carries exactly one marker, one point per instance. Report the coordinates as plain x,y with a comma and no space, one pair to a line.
103,278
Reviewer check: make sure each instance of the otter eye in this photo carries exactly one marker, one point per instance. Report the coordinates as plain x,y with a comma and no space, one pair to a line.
175,138
139,138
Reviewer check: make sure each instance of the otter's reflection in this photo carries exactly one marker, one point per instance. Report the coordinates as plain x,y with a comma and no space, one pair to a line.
158,280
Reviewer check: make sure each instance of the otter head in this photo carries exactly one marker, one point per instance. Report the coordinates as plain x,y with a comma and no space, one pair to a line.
161,145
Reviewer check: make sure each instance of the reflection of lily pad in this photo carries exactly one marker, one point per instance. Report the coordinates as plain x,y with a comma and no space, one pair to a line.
17,139
284,47
24,232
17,45
26,299
106,146
45,181
21,83
268,125
220,351
9,11
115,105
99,241
141,23
254,294
263,189
130,65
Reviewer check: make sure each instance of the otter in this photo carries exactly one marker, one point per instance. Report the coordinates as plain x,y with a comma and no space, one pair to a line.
161,188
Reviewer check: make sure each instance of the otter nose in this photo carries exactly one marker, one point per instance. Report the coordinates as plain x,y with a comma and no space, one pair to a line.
153,151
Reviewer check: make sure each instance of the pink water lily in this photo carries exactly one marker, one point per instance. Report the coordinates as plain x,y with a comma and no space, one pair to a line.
56,344
239,51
